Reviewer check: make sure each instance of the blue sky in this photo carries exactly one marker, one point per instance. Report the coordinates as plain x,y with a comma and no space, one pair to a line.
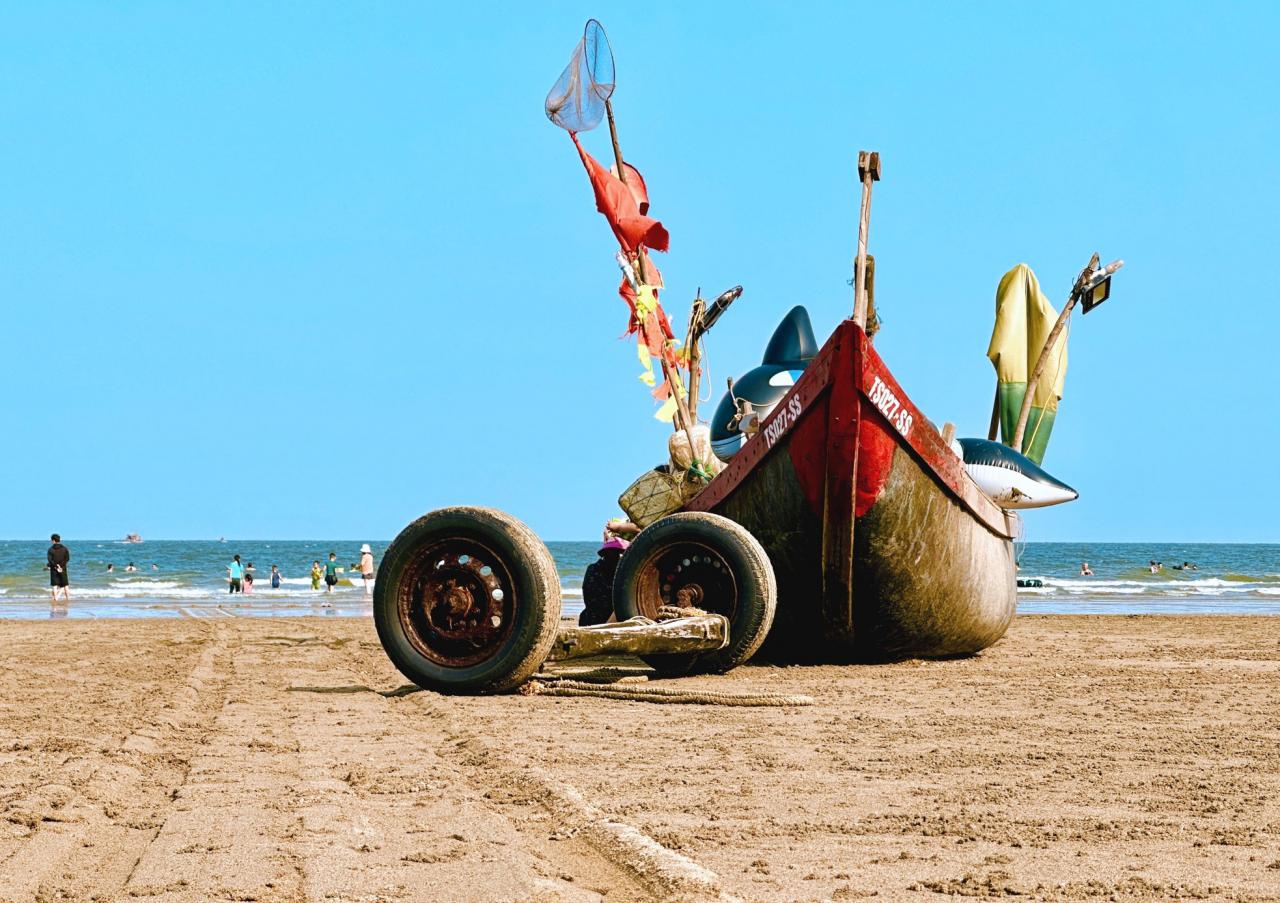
307,270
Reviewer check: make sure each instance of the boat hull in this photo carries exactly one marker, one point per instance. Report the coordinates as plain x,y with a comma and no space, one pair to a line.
882,546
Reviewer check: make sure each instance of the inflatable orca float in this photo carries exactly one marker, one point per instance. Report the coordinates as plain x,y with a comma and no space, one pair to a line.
785,358
1012,480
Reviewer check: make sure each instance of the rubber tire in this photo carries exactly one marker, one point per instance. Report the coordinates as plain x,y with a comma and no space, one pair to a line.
752,572
532,570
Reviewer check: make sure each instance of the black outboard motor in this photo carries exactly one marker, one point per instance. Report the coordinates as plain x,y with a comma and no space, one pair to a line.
788,353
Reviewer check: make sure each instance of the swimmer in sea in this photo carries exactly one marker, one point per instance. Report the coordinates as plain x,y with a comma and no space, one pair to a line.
1085,570
275,577
316,573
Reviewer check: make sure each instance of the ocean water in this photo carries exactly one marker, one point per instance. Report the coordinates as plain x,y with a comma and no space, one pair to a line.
189,578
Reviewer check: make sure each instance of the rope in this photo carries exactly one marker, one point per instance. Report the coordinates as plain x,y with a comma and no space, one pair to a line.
565,687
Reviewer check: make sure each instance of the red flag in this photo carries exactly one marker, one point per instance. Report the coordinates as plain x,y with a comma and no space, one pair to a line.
619,205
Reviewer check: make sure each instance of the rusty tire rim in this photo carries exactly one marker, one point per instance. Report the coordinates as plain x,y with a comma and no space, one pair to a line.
690,575
457,602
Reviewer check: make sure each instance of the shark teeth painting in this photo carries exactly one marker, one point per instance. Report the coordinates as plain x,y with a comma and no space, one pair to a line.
1011,479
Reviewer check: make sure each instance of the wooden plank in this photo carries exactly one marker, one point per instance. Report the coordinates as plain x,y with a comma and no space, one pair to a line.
841,477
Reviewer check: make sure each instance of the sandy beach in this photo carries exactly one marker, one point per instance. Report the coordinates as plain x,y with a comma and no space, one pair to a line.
1110,758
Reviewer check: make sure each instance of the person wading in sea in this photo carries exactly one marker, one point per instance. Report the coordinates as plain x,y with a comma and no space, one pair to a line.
57,558
235,572
331,572
366,569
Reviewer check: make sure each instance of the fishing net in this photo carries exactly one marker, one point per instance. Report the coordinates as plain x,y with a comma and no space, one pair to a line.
576,101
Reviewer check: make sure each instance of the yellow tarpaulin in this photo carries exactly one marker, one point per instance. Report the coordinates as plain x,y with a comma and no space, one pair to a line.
1024,319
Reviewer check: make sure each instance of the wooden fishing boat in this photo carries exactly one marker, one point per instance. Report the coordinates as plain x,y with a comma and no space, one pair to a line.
881,544
846,527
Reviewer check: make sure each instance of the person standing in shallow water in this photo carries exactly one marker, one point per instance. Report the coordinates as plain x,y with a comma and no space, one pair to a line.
366,569
317,573
331,572
235,572
57,559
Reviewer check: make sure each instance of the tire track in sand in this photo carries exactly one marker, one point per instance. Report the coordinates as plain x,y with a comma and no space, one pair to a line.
389,812
544,805
89,833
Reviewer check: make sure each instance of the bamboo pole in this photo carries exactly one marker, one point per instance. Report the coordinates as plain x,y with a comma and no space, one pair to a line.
683,420
1084,282
868,172
613,134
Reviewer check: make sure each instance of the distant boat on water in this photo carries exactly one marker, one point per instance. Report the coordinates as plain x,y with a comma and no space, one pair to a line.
133,537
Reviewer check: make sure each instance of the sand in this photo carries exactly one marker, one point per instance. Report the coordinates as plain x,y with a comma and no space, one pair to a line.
1109,758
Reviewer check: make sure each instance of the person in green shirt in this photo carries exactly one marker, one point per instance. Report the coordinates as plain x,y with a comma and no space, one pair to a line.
331,572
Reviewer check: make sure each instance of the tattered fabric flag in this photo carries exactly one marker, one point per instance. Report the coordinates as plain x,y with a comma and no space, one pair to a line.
1024,319
621,208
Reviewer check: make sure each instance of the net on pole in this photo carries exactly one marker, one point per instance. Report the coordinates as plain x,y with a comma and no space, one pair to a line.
576,101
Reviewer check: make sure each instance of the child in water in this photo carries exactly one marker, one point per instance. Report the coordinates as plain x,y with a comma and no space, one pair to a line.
248,579
275,576
316,574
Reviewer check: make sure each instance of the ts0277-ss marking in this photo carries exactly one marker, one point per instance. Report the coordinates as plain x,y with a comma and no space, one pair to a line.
779,425
888,404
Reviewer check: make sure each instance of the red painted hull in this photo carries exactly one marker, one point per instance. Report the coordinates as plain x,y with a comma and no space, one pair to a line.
882,545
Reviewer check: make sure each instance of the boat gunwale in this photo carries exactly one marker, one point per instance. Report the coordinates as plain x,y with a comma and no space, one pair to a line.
923,439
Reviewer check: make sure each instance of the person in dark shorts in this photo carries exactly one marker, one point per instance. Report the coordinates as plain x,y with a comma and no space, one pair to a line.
597,583
57,559
235,573
331,572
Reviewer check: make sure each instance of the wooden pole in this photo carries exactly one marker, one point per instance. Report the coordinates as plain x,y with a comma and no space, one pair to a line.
682,418
873,319
692,338
1025,411
868,172
613,134
622,176
1083,282
995,414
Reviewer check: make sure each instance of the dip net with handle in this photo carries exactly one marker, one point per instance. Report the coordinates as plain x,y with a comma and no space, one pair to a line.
576,102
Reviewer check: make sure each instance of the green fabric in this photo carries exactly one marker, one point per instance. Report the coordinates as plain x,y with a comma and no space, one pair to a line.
1024,319
1035,439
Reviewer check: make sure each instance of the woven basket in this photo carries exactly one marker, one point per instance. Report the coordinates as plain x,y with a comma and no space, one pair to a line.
655,495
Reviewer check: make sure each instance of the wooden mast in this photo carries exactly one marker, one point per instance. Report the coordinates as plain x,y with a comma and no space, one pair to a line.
868,172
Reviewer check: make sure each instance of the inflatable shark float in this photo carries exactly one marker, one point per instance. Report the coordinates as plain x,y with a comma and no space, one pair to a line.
1009,478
